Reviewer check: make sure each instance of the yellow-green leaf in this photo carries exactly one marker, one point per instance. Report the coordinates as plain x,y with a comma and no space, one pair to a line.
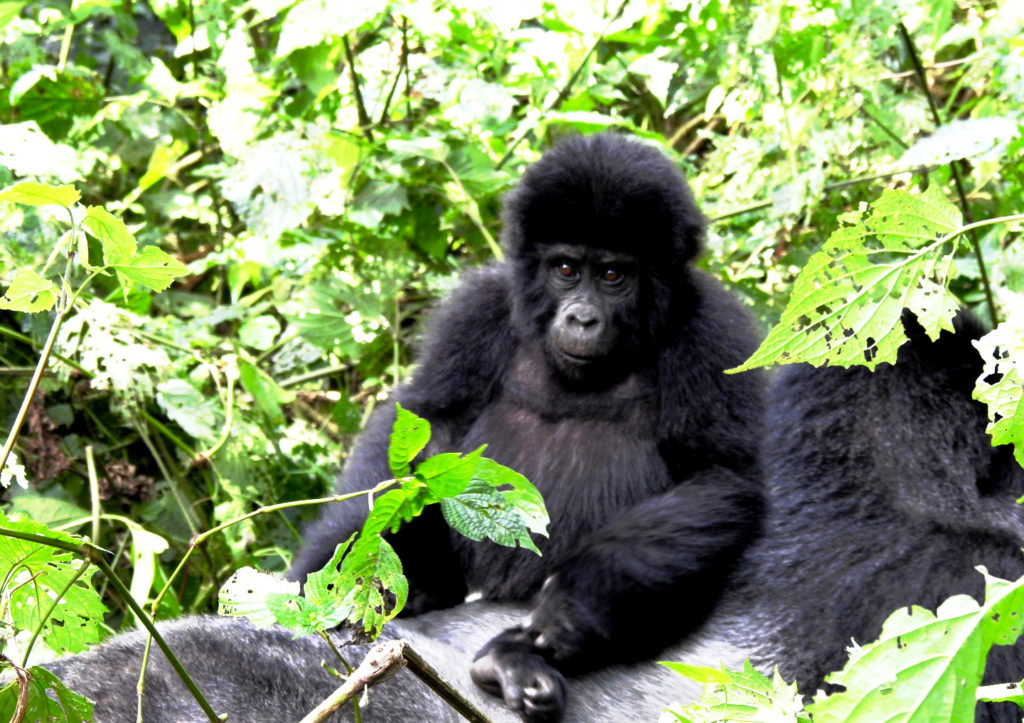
29,292
40,194
153,268
117,241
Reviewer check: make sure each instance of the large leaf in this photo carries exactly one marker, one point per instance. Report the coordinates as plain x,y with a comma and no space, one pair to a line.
39,575
846,303
926,666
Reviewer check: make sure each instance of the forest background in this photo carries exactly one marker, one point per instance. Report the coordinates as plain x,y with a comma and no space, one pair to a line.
269,195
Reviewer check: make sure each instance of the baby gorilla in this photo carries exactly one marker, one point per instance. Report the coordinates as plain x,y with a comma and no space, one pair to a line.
591,361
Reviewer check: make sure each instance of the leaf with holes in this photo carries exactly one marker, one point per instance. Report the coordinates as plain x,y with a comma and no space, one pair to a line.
29,292
847,302
926,666
1001,384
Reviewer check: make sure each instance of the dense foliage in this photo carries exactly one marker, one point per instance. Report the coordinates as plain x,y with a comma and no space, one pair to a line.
316,173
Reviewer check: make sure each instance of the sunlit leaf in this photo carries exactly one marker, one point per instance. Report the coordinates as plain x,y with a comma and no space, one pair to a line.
39,194
29,292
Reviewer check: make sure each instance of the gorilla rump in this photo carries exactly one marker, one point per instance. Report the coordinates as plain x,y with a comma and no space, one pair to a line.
884,491
590,361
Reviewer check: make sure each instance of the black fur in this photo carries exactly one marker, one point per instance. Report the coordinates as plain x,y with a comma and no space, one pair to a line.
884,491
645,455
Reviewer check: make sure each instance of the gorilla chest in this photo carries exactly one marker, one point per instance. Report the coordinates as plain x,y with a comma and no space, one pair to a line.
591,456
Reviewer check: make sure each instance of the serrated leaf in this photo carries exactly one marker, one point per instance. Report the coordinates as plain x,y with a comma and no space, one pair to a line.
39,194
745,695
846,303
1001,384
29,292
518,492
117,241
153,268
394,507
926,666
482,512
446,475
377,589
75,622
409,436
48,699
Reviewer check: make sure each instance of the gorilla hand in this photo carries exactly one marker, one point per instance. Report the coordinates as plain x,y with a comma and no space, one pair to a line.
512,668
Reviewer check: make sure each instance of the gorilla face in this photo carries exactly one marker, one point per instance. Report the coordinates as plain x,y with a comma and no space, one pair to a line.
594,293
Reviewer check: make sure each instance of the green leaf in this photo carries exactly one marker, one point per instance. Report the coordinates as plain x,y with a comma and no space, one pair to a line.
1001,384
48,700
846,303
372,573
75,623
926,666
409,436
482,511
248,591
153,268
39,194
188,407
29,292
745,695
447,475
117,241
268,395
699,673
518,492
260,332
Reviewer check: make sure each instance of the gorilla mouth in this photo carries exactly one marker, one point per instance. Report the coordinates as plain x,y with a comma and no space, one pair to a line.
577,359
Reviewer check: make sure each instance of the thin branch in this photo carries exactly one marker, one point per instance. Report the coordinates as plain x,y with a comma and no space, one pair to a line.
922,78
433,680
383,661
364,119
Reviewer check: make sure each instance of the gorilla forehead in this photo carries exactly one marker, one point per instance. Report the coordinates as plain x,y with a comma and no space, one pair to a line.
604,191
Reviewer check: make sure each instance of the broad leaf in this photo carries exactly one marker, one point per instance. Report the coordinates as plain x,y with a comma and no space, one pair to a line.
41,574
926,666
117,241
153,268
846,303
47,699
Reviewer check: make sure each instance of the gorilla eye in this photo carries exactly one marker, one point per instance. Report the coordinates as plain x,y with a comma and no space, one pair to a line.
612,276
566,270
